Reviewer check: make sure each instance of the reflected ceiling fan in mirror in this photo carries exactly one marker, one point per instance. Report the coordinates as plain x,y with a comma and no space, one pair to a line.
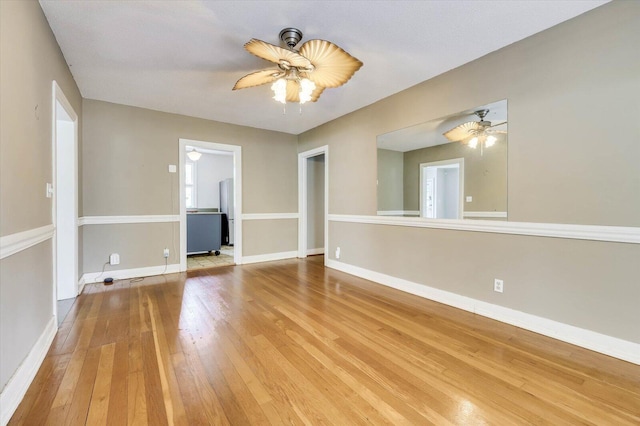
474,133
300,75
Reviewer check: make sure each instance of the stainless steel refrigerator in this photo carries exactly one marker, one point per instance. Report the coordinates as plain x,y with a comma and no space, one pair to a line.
226,205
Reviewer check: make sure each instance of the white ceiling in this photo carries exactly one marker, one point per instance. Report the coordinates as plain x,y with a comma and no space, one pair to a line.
185,56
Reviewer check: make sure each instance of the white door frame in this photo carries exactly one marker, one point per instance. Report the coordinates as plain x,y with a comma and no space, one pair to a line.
71,285
460,163
237,196
302,199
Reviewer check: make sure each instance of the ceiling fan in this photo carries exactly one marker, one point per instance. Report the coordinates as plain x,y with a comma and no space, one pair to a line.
300,75
474,133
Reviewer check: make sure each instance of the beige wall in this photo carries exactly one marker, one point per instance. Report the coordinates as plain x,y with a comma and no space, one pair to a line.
30,60
261,237
573,155
138,244
390,177
485,176
126,154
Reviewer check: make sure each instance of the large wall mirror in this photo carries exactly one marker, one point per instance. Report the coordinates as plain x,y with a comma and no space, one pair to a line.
454,167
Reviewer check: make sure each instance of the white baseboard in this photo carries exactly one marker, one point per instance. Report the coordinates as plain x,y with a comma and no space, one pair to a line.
608,345
313,252
17,387
123,274
81,284
269,257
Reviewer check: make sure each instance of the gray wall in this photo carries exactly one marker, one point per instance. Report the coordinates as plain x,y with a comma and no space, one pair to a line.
30,60
126,155
315,202
573,95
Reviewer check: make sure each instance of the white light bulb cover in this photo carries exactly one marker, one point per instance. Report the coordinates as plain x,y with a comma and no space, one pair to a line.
306,89
473,142
491,140
194,155
279,88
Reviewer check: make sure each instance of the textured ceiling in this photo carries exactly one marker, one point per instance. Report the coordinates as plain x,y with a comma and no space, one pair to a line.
185,56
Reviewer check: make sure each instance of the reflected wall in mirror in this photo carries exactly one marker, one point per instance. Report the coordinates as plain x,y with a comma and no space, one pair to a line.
421,172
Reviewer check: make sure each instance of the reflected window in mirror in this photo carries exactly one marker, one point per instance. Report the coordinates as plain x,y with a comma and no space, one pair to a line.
454,167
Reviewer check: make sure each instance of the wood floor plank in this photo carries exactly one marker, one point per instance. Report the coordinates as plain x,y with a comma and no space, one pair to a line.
118,395
292,342
99,406
79,404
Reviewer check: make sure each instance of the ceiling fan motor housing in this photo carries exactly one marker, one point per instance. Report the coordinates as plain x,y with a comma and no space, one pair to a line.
291,37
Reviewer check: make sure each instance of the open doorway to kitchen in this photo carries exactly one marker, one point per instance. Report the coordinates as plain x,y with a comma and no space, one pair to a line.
210,204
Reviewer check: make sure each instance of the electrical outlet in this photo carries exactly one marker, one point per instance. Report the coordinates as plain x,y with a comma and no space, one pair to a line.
338,253
114,259
498,285
166,253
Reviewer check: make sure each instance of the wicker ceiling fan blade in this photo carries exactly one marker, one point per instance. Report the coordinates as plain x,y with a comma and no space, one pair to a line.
462,132
276,54
315,95
332,65
258,78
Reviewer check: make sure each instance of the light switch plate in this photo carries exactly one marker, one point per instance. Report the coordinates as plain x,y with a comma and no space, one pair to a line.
49,190
172,168
469,198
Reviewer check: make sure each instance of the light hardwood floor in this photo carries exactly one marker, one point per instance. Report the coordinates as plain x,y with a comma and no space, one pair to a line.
291,342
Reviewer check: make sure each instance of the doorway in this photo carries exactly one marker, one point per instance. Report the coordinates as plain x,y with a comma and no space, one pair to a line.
64,195
313,184
211,152
442,189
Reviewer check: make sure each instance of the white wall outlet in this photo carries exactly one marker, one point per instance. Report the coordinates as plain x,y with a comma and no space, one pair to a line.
468,198
498,285
114,259
338,253
172,168
166,253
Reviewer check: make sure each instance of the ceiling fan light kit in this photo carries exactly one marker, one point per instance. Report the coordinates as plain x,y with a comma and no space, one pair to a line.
474,133
301,75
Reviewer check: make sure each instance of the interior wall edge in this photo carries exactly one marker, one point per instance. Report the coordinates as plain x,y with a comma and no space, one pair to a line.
608,345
